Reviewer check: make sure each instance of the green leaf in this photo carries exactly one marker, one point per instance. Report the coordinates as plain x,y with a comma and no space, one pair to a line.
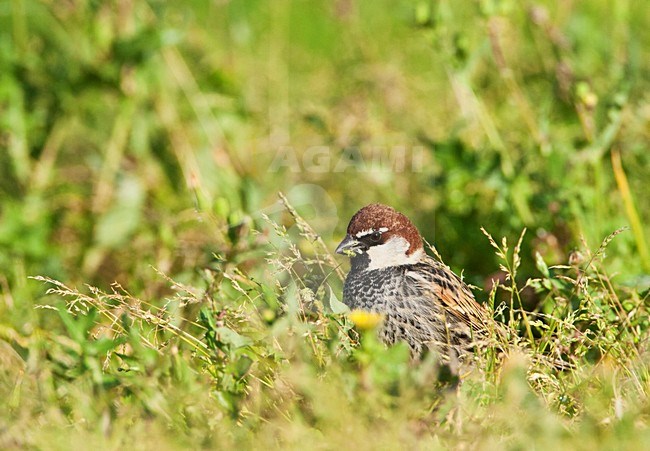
228,336
117,225
541,264
337,306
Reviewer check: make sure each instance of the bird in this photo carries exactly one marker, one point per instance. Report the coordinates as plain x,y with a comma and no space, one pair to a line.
422,301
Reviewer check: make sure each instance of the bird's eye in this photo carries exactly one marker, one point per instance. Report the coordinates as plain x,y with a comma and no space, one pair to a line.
375,237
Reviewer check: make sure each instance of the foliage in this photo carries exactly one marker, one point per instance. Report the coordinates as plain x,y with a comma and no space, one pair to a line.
140,135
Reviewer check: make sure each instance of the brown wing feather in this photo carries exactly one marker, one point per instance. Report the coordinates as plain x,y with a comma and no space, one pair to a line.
455,295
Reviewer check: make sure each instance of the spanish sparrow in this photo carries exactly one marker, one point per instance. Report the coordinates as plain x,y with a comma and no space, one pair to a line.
423,302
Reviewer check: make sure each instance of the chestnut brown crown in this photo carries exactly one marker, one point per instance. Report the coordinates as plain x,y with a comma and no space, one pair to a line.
382,223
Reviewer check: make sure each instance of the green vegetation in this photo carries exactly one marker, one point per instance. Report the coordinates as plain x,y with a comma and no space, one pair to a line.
156,291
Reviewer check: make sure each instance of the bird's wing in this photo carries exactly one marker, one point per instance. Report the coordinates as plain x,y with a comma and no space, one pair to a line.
461,304
455,296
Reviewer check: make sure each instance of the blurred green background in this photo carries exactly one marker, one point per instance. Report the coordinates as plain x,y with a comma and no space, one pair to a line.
141,134
154,133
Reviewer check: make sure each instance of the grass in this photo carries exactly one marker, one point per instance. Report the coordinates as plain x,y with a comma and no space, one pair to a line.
156,292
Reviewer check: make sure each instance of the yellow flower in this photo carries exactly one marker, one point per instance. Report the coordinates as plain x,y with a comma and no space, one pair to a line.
364,320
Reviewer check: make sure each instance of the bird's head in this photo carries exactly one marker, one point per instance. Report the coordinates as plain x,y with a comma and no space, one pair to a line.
379,236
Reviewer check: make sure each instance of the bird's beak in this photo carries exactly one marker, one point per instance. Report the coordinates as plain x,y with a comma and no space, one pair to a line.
348,246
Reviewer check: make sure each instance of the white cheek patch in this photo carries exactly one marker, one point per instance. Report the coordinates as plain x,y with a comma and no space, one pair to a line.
392,253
